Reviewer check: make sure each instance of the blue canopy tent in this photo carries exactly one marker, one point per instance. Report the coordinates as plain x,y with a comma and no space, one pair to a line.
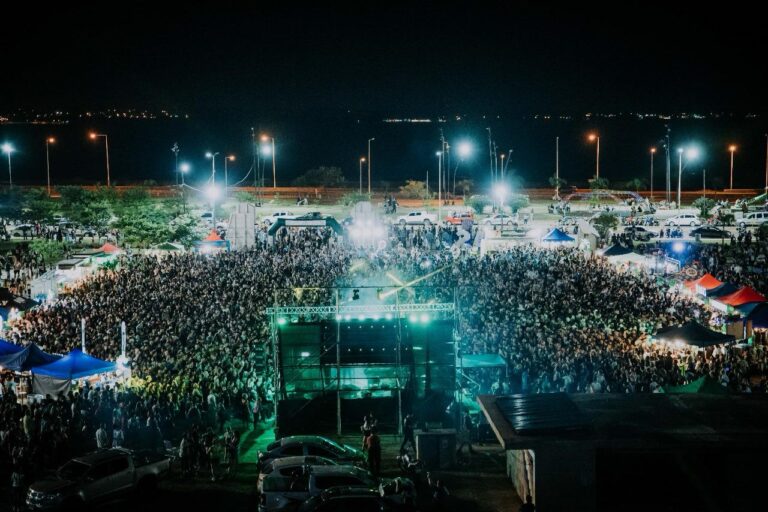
557,236
616,250
9,348
26,359
75,365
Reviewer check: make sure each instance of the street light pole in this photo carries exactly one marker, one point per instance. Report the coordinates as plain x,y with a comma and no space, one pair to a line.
439,187
732,149
593,137
679,175
369,165
653,153
360,187
175,151
94,136
557,168
230,158
48,141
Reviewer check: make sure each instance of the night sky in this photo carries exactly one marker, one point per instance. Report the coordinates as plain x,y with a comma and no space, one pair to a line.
515,57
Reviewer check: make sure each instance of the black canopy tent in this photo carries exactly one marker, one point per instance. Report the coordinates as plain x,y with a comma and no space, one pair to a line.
694,334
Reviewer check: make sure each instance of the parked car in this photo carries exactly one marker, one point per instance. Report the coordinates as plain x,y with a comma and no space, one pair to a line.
418,217
458,218
567,221
684,219
753,219
499,219
710,232
640,233
311,445
97,477
287,465
283,493
269,219
23,230
355,498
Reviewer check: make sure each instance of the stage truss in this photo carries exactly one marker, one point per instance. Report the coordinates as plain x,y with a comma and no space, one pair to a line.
362,309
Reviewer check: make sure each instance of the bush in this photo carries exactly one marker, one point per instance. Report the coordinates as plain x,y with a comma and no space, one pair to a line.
478,203
605,222
352,198
414,189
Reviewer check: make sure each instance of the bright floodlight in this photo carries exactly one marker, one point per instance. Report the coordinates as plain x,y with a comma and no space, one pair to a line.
592,137
184,167
266,150
8,148
680,150
464,149
692,153
212,192
92,135
500,191
732,148
231,158
438,153
208,154
678,247
51,140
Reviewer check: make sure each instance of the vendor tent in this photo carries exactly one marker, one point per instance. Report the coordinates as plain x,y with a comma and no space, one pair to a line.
108,248
759,316
75,365
480,361
707,282
557,236
616,250
743,296
168,246
27,359
631,257
9,348
723,289
693,333
705,384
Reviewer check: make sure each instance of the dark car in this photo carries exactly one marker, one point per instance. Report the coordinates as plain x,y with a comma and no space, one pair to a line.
710,232
359,499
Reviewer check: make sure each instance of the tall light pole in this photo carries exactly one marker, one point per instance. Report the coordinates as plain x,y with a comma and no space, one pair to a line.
691,153
212,156
369,165
360,188
175,151
48,142
94,136
502,166
593,137
229,158
732,149
183,169
267,138
8,149
653,153
557,168
439,155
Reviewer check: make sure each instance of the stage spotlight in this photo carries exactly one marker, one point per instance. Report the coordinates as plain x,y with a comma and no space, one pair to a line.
413,319
281,321
388,316
305,354
424,318
678,247
361,317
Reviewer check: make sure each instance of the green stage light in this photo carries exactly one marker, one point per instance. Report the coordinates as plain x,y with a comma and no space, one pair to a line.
305,354
361,317
424,318
338,318
413,319
281,321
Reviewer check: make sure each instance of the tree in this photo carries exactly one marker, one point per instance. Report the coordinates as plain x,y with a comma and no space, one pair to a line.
704,204
598,183
11,203
50,251
605,222
321,177
86,207
636,184
414,189
464,187
185,229
37,206
352,198
517,201
557,183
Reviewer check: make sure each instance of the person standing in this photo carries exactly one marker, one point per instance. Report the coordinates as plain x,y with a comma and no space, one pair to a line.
373,447
409,424
102,440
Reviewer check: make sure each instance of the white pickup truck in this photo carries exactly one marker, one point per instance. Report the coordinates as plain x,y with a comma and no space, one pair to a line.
418,217
97,477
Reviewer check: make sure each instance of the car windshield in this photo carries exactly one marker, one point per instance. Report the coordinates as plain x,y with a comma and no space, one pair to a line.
73,470
327,443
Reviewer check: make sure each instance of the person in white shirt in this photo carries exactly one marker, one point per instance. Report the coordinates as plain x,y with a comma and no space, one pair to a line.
102,442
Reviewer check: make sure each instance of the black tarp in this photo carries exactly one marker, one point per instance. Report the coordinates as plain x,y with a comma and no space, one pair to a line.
693,333
616,250
722,290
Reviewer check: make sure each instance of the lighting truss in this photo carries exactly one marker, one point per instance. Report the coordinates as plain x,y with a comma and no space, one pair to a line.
362,309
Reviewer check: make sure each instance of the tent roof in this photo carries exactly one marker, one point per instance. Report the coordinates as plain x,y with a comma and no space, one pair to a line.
26,359
168,246
707,281
616,250
631,257
9,348
481,361
556,235
213,236
75,365
723,289
693,333
742,296
109,248
705,384
759,315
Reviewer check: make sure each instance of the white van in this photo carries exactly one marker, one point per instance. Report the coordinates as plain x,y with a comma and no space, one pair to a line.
753,219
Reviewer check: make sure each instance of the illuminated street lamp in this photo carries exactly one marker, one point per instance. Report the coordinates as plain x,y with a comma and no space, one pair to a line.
94,136
8,149
369,165
48,142
270,151
593,137
212,156
212,192
360,188
229,158
183,169
691,153
653,153
732,148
